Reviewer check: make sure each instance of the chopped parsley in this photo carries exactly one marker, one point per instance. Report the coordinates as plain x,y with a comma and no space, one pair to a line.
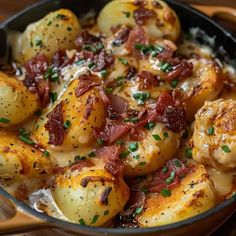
67,124
133,147
150,125
95,218
211,130
4,120
165,192
226,149
123,61
156,137
137,211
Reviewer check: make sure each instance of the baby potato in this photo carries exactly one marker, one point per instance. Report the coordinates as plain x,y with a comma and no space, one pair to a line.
204,85
16,102
159,146
55,31
194,195
161,22
214,135
19,160
83,113
90,196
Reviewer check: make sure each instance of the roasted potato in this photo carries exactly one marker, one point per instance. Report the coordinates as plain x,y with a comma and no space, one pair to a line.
90,196
214,134
55,31
16,102
161,23
159,146
83,113
19,160
194,195
204,85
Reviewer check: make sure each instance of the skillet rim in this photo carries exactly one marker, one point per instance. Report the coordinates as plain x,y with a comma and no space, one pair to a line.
121,231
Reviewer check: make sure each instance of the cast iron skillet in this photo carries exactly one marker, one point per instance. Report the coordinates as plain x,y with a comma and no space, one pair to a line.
25,218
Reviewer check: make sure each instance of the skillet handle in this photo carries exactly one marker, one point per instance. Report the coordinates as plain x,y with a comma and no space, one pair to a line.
16,219
221,12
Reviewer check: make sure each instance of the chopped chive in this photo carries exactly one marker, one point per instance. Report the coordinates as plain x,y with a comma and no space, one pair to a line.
100,141
106,213
25,139
156,137
158,49
211,130
95,218
188,152
166,67
92,154
82,222
120,142
67,124
177,163
38,42
53,97
79,158
137,211
91,65
126,13
103,73
124,154
142,163
174,83
4,120
226,149
171,178
46,153
109,90
150,125
165,192
49,23
141,97
136,157
165,169
123,61
166,134
132,119
133,147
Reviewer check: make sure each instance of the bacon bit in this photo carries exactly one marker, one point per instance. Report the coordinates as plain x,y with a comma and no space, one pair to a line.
5,149
85,181
147,80
121,36
141,15
166,54
35,68
180,71
86,83
90,103
60,59
137,36
168,16
78,166
21,192
105,195
86,39
118,103
131,72
179,98
113,163
137,134
54,126
105,99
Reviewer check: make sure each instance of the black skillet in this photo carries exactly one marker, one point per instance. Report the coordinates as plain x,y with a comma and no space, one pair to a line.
25,218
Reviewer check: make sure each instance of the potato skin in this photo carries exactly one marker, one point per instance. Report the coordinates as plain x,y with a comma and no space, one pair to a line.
19,160
16,102
75,109
55,31
204,85
152,153
208,148
194,195
113,14
79,202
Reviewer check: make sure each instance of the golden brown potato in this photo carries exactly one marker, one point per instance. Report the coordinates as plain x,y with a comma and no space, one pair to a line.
194,195
84,113
163,22
19,160
57,30
214,136
90,196
16,102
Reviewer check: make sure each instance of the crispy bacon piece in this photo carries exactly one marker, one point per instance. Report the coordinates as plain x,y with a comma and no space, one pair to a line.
113,163
35,68
137,36
86,39
121,36
147,80
119,104
131,72
54,126
142,14
60,59
86,83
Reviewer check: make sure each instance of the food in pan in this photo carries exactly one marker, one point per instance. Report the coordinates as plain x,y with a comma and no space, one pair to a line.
119,120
